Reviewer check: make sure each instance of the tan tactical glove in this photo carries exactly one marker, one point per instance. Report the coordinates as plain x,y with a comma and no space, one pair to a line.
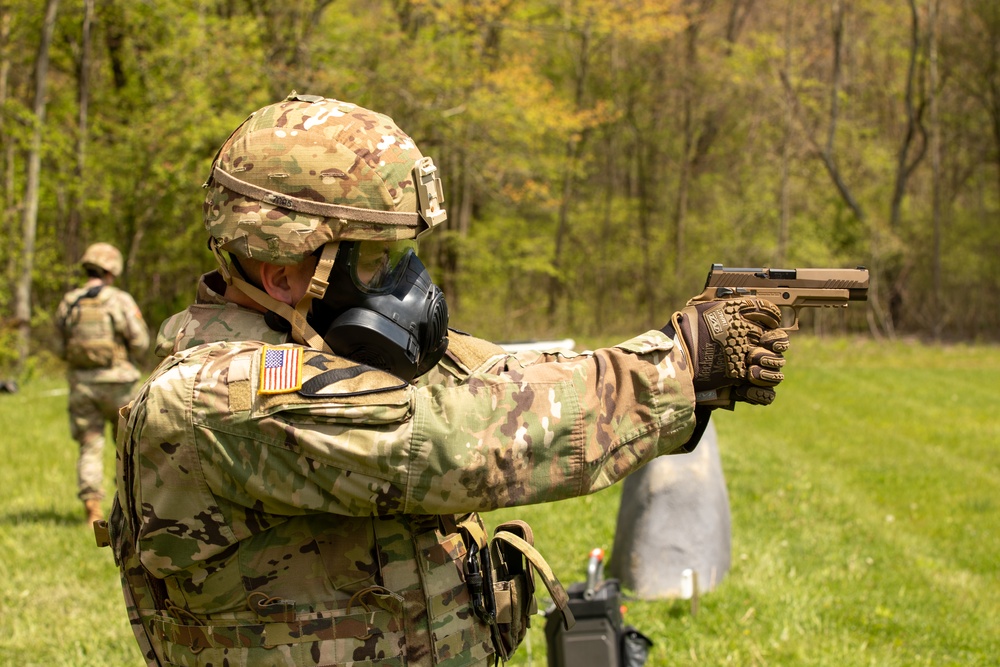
734,348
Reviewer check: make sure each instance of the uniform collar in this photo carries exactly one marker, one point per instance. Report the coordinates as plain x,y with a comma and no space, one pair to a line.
213,319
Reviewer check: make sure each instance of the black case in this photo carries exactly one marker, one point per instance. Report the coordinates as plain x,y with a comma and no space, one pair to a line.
595,640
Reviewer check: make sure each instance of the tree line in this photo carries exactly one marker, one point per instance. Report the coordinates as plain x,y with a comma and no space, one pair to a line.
597,155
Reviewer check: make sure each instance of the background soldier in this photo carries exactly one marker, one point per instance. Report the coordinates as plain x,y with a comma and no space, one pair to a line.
300,478
102,332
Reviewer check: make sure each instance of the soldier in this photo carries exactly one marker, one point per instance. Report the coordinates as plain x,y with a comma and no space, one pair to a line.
102,332
299,480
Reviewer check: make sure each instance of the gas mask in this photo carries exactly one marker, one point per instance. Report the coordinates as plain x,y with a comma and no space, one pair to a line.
381,309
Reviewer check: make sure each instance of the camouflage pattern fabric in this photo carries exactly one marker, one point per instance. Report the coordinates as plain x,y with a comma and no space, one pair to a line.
96,394
104,256
211,318
286,529
91,406
320,151
130,329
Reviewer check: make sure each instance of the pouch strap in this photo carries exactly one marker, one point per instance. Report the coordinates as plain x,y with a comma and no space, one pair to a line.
519,528
510,557
471,528
559,597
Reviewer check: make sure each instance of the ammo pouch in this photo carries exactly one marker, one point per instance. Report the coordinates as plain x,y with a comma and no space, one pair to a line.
506,570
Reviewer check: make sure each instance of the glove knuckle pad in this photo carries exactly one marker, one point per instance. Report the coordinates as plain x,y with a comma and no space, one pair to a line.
755,395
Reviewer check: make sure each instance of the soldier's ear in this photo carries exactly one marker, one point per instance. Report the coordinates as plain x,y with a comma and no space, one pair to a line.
287,283
275,279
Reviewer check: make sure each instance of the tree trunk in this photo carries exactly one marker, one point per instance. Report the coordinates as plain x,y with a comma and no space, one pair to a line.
557,284
688,81
936,296
878,321
603,291
786,142
683,181
75,218
904,167
700,130
7,209
29,226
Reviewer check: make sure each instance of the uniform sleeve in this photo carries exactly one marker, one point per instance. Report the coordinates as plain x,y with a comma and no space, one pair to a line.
549,430
135,331
508,435
62,311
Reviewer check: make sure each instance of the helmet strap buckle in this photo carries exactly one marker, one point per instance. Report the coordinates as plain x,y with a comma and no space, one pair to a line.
320,280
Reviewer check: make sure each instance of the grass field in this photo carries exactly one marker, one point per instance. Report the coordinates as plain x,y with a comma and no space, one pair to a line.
864,508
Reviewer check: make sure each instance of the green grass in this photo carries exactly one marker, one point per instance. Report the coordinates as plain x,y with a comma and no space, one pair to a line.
60,601
864,511
864,508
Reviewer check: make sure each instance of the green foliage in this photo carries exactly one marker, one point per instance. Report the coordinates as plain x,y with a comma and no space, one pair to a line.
659,130
8,352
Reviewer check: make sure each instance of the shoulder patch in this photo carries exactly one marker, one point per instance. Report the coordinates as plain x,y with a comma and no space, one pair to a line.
280,369
334,376
333,387
470,352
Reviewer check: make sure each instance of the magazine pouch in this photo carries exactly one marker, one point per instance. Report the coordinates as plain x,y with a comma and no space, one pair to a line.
514,563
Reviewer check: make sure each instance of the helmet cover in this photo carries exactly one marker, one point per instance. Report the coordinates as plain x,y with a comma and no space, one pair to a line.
310,170
104,256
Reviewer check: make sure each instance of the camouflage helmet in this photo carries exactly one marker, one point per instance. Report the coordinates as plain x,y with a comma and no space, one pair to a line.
310,170
104,256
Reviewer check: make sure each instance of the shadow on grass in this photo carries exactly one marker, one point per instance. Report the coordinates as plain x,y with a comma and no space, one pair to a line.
678,609
66,518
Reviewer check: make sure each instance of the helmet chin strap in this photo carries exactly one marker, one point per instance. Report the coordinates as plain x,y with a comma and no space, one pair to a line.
302,331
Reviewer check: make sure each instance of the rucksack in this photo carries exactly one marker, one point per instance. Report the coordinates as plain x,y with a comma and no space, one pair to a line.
90,333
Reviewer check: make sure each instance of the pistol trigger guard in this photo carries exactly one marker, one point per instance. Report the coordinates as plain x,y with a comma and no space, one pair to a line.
794,326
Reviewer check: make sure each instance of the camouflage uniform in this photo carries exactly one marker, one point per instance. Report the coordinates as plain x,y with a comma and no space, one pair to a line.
283,529
96,394
332,520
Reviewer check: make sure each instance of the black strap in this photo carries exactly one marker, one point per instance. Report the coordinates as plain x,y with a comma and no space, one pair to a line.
702,416
89,294
312,387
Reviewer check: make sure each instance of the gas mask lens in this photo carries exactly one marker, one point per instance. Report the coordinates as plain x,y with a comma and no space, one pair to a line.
373,263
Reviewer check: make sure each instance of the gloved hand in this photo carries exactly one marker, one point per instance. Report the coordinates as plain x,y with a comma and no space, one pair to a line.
734,343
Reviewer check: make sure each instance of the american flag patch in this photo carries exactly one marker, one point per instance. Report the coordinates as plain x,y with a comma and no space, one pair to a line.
280,370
